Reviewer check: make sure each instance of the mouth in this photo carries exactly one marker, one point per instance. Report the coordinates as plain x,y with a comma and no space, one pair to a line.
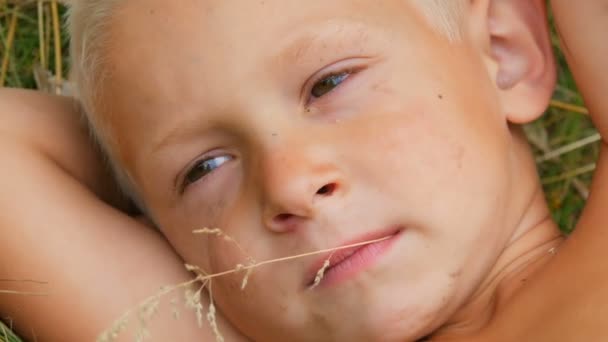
338,266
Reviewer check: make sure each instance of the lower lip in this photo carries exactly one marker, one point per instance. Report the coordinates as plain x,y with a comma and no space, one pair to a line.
362,259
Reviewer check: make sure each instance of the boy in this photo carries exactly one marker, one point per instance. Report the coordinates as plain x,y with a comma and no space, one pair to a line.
317,140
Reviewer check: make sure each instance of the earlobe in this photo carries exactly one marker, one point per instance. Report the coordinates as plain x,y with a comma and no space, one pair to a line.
520,48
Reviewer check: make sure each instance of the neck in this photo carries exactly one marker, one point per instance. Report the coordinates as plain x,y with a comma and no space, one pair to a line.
534,242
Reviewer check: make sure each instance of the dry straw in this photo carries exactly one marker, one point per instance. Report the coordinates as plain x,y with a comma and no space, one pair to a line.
148,308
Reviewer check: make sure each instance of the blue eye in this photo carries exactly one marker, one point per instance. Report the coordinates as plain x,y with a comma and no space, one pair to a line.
327,84
204,167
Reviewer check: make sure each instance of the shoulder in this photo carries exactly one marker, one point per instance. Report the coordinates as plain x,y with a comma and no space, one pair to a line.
25,113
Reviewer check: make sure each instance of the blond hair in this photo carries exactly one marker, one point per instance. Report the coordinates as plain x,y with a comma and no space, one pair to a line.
88,22
445,16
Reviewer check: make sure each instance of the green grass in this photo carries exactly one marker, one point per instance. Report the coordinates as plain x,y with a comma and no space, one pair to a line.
6,335
558,128
565,193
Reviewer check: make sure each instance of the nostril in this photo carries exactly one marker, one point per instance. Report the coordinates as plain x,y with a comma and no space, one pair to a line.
327,189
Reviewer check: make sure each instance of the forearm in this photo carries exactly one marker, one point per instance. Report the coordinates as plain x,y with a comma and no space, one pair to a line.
53,127
583,27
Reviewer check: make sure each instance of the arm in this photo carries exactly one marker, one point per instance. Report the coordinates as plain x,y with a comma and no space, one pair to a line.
568,301
54,227
583,28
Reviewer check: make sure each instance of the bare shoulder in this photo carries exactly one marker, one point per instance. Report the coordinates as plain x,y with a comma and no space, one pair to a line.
36,109
94,261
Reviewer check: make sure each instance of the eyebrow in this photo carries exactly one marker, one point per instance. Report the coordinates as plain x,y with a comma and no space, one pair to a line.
297,49
329,31
182,131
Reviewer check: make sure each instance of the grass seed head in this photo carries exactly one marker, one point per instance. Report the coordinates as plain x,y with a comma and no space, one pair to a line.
321,273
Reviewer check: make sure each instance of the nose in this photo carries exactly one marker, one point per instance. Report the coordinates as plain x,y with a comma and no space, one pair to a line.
298,186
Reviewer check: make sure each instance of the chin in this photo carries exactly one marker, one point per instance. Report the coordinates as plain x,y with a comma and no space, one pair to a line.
398,313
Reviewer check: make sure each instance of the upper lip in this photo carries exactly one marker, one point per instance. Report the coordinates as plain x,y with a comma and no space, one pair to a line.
339,255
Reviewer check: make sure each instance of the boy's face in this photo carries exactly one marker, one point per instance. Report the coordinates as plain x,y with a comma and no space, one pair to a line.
299,128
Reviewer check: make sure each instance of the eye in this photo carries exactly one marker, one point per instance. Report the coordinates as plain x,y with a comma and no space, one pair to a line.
204,167
327,84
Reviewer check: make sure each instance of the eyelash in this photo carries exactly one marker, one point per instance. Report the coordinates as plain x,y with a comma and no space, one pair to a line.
343,76
187,182
347,72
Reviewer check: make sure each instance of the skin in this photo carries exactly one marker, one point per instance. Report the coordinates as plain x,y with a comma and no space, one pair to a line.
52,167
277,149
572,310
77,184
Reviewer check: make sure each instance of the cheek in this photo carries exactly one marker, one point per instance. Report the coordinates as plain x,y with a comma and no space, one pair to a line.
441,162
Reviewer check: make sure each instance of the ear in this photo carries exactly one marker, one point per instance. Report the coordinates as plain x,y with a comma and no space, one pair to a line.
514,36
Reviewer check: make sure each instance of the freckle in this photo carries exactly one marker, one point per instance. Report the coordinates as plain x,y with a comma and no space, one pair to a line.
440,96
455,275
459,156
381,87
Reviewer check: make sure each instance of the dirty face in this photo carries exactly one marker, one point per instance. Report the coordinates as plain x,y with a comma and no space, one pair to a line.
300,128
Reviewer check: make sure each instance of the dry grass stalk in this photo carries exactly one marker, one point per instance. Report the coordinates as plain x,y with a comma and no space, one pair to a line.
146,310
537,135
289,258
9,45
569,148
193,301
23,281
57,39
211,318
569,107
581,188
246,279
24,293
193,298
47,33
239,267
174,308
41,44
570,174
220,233
321,273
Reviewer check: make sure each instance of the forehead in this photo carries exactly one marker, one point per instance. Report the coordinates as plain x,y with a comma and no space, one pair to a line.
229,20
166,60
168,40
